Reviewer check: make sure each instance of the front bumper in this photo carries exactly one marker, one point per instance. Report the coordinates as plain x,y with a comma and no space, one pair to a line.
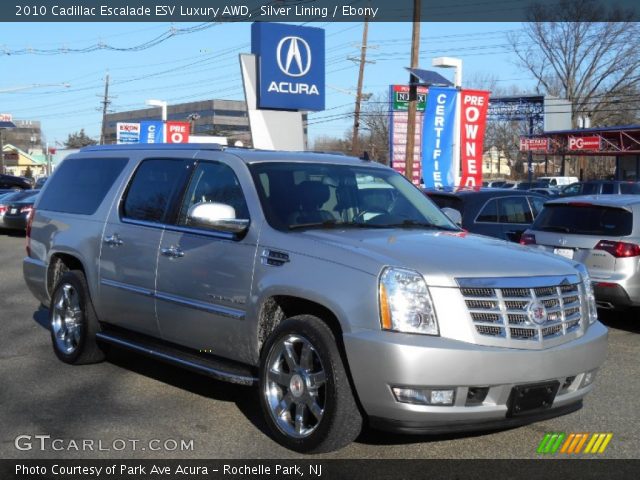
381,360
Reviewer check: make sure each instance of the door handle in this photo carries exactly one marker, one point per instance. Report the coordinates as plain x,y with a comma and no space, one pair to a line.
172,252
113,240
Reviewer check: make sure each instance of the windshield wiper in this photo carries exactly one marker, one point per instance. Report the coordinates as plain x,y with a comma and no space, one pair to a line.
414,224
552,228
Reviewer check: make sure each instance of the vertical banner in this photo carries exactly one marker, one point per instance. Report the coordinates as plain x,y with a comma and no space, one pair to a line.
178,132
437,137
151,131
398,122
473,120
127,132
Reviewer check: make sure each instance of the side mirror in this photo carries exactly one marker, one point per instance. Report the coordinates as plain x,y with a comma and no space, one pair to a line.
452,214
217,216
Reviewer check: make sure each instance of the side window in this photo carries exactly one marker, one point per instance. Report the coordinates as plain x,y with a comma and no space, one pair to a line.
214,183
151,189
79,185
607,188
572,189
514,210
536,205
489,214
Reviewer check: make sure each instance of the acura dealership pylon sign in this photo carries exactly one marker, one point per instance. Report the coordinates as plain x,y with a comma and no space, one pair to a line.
291,70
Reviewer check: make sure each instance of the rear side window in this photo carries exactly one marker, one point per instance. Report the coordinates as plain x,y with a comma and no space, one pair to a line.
608,188
514,210
584,220
626,188
590,189
79,185
489,213
151,189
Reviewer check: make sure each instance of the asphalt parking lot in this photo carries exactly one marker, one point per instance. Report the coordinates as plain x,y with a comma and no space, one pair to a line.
133,398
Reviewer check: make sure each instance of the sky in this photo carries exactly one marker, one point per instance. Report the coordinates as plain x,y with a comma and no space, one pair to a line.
204,65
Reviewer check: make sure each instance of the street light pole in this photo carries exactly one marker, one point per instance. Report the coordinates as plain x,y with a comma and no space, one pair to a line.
413,93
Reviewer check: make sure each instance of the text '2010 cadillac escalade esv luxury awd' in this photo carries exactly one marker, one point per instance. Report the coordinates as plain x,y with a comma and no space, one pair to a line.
331,283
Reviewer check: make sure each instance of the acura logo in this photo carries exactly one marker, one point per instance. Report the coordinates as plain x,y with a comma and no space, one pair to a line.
537,313
294,56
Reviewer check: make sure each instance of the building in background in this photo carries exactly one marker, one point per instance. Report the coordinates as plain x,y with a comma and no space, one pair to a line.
225,118
27,136
18,162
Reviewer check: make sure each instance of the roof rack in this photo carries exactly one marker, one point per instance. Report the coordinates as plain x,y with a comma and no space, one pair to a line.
154,146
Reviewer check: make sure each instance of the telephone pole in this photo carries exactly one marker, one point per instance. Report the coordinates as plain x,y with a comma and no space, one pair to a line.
105,105
413,93
356,116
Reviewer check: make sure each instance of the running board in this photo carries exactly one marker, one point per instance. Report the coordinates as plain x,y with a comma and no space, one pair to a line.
209,365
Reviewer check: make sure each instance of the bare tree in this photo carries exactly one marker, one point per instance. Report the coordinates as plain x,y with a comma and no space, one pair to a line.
594,64
375,117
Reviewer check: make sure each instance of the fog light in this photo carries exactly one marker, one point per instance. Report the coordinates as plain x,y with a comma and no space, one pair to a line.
588,378
424,396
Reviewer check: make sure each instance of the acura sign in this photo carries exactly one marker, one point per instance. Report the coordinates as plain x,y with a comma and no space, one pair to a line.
291,66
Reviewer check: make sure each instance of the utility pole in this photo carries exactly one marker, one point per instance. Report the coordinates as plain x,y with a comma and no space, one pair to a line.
105,105
413,93
356,116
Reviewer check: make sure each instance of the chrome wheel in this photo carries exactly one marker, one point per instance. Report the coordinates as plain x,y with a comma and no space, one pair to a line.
295,384
66,319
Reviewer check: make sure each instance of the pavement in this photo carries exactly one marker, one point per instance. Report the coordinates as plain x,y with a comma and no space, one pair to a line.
133,407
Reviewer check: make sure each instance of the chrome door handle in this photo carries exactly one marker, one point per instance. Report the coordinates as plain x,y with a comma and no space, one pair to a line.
114,240
172,252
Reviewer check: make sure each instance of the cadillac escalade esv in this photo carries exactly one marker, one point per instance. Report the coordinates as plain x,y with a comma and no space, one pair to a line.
330,283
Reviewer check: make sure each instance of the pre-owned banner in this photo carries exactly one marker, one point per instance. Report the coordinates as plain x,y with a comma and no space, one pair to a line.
437,137
473,118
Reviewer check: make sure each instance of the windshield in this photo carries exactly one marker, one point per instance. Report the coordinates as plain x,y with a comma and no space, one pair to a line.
307,195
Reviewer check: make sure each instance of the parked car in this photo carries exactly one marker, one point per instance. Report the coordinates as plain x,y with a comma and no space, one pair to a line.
601,187
498,213
40,182
554,182
18,209
494,183
9,198
548,192
329,282
15,183
603,232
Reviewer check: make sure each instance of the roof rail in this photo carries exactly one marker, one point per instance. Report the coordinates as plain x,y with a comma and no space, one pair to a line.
154,146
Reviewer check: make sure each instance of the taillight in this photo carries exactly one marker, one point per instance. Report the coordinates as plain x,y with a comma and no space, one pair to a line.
32,213
3,209
619,249
528,239
26,209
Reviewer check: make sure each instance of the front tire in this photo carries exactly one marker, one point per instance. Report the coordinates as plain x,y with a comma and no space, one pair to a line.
304,389
73,321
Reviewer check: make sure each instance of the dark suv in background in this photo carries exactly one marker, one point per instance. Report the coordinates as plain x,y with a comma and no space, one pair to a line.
499,213
14,183
601,187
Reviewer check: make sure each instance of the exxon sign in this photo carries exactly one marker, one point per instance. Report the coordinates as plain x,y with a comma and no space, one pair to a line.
291,66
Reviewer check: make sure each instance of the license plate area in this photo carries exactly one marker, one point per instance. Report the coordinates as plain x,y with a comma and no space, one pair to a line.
564,252
532,398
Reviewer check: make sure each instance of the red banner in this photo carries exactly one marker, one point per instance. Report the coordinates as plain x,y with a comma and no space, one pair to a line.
584,143
473,119
178,132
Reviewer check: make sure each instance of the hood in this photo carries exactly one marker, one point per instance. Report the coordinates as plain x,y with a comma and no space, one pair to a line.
440,257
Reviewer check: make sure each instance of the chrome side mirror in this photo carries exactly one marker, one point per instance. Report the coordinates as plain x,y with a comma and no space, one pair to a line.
217,216
454,215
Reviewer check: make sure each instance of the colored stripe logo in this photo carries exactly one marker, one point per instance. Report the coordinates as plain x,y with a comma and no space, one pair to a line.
574,443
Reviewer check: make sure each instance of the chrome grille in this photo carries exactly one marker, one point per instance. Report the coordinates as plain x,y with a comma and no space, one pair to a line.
509,312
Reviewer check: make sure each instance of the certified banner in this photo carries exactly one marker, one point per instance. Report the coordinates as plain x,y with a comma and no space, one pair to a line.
473,118
437,137
151,131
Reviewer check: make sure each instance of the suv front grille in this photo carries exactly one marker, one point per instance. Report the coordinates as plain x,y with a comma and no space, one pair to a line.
524,313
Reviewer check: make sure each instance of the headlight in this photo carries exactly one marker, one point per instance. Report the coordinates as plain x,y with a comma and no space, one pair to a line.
405,302
592,311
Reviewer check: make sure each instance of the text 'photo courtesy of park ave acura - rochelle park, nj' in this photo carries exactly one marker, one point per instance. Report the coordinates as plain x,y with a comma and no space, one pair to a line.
319,238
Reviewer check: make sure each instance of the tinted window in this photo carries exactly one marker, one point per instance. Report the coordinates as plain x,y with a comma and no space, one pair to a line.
151,189
590,189
514,210
79,185
489,212
215,183
608,188
449,201
536,205
584,219
572,189
629,188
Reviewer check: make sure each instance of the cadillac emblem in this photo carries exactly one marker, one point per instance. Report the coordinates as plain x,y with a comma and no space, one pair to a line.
537,313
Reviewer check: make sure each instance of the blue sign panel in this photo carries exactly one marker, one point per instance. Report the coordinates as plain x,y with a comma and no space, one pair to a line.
291,66
437,137
151,132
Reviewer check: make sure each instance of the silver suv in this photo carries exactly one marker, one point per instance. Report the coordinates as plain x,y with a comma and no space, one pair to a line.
601,231
330,283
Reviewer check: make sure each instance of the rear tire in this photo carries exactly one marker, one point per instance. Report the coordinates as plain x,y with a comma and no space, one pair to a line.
73,322
305,393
